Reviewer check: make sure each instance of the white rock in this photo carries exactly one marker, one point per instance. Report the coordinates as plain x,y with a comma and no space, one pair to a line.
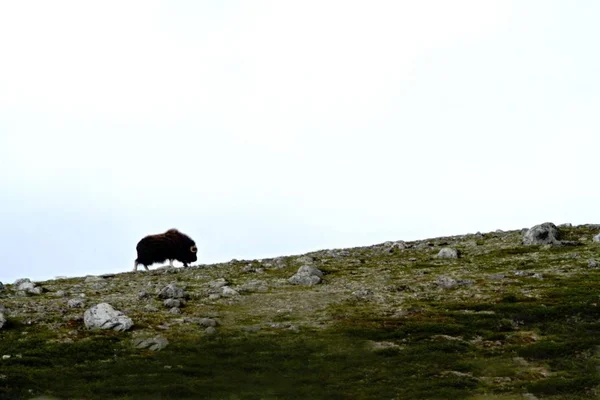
104,316
597,238
448,252
2,320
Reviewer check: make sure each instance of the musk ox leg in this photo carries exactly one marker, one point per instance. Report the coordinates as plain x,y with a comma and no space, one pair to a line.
135,266
170,262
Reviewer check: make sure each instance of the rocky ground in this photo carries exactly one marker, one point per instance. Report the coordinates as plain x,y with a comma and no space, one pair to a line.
499,315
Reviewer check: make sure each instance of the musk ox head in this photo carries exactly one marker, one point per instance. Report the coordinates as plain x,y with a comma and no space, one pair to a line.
171,245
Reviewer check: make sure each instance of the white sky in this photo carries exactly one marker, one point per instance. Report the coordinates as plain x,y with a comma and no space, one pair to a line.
266,128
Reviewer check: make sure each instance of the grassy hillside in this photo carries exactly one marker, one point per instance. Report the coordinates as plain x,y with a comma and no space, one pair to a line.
390,321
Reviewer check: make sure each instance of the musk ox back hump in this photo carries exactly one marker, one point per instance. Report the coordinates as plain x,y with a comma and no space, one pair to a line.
171,245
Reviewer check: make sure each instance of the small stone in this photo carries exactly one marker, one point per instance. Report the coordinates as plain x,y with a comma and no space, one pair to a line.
170,303
2,320
211,330
175,310
207,322
229,292
154,344
446,282
150,308
217,283
304,280
592,263
214,296
60,293
363,293
75,303
142,294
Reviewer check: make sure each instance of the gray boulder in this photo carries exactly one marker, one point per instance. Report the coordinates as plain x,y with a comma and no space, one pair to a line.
104,316
307,275
25,285
546,233
2,287
597,238
448,252
172,291
2,320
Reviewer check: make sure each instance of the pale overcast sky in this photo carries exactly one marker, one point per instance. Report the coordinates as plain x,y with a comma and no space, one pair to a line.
267,128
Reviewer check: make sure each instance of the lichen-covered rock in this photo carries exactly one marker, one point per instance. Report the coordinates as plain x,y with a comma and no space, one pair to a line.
217,283
229,292
448,252
447,282
207,322
154,344
310,270
304,280
25,285
104,316
546,233
76,303
307,275
172,291
170,303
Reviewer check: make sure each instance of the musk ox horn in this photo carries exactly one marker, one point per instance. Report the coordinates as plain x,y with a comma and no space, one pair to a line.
193,249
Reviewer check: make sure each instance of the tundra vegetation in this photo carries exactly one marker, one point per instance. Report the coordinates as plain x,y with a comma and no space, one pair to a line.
495,319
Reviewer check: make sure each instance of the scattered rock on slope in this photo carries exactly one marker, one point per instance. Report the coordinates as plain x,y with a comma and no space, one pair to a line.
25,285
448,252
546,233
307,275
104,316
172,291
154,344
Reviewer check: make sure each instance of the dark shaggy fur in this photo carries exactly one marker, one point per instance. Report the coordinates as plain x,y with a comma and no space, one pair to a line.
171,245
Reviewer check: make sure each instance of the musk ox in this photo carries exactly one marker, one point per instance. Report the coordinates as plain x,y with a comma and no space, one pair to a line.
171,245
